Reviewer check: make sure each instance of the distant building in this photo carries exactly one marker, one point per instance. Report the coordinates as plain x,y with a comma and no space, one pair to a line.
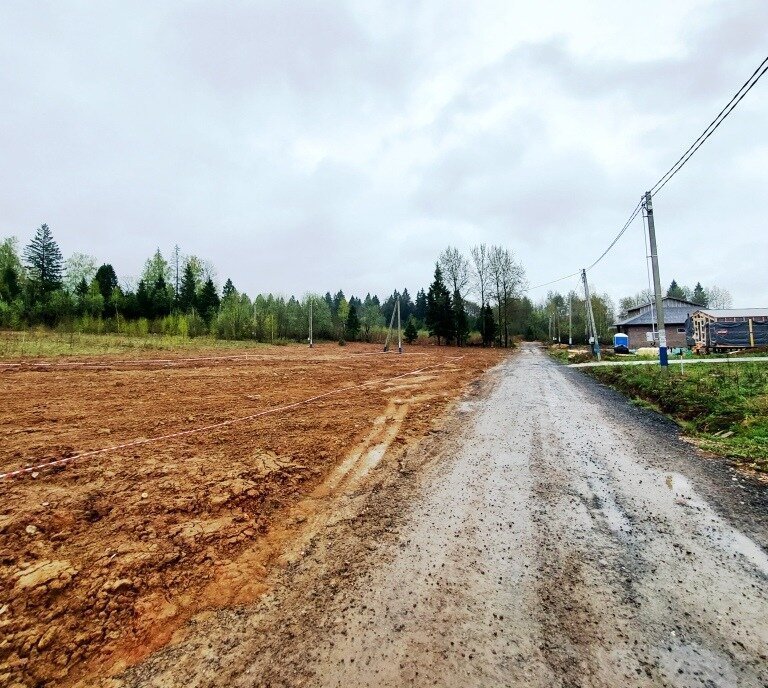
728,329
641,322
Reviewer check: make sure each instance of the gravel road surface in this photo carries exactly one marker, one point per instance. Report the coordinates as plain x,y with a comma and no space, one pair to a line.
558,537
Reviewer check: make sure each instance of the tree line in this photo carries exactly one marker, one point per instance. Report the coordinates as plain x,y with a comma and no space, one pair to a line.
479,299
178,296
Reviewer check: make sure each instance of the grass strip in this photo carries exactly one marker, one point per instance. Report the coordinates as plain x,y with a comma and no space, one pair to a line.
723,406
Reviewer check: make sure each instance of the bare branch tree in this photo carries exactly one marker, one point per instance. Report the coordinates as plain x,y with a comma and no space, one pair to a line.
496,271
455,267
507,280
481,276
718,297
480,270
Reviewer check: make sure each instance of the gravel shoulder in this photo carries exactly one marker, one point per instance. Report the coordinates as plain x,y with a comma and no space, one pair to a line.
547,534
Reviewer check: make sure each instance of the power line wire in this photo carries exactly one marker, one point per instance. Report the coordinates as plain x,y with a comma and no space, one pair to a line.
554,281
684,158
578,272
712,127
632,216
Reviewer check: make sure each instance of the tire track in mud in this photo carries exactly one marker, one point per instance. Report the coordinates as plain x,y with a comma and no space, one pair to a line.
564,612
583,609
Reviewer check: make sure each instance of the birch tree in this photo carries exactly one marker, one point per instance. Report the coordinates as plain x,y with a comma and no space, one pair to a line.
481,275
455,268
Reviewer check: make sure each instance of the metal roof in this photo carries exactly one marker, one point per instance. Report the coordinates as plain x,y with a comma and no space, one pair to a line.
672,316
734,312
668,301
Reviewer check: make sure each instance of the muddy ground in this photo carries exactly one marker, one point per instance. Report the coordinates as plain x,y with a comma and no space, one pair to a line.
104,559
548,534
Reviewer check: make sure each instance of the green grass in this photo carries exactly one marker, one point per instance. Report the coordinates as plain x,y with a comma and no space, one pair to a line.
42,343
708,401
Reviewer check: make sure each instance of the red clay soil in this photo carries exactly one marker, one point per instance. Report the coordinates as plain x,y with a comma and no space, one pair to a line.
104,558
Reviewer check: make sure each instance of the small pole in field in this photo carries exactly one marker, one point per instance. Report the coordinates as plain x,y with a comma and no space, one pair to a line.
310,324
570,318
399,334
389,331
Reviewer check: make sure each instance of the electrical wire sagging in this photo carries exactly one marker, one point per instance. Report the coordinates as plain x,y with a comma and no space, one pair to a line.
672,171
554,281
710,129
632,216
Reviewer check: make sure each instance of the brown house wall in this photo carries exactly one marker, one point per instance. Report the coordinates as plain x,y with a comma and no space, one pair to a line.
637,336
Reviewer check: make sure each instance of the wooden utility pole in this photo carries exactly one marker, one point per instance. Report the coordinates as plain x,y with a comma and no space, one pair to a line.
591,317
656,282
176,259
399,334
311,343
570,318
395,311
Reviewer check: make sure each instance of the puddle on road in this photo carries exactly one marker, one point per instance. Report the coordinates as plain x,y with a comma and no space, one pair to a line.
733,541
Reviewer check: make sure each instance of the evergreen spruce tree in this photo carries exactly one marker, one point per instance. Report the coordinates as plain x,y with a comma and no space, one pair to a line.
439,315
143,300
44,261
406,305
489,325
460,320
208,301
187,290
228,291
339,310
699,295
675,291
410,332
420,307
162,298
352,326
107,281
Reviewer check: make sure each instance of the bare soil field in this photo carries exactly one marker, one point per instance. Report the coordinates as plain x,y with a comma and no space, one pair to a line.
181,479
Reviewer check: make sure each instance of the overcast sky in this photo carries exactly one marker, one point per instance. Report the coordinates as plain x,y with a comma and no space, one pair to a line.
322,145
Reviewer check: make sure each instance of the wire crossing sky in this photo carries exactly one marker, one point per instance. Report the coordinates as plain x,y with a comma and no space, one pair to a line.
659,185
313,146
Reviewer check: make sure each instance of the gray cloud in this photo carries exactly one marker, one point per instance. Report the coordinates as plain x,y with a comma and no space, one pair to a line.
313,145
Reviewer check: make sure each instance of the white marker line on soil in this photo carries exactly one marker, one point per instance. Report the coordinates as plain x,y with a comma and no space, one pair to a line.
168,361
214,426
132,361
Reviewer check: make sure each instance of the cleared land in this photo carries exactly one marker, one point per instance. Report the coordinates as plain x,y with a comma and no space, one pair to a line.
105,557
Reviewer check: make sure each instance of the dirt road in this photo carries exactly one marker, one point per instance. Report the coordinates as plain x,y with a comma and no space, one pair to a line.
560,537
